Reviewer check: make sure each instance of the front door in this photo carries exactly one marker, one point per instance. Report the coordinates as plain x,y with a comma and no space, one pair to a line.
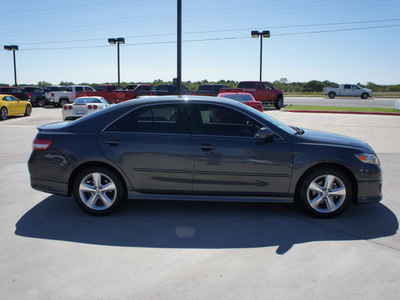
230,159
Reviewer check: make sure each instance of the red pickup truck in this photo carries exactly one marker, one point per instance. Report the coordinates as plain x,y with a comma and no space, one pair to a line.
261,90
116,93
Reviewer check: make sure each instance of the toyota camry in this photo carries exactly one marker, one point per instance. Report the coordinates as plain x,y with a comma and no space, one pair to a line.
200,148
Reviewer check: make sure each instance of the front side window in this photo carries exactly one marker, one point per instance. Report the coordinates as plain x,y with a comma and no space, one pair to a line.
209,119
260,85
168,118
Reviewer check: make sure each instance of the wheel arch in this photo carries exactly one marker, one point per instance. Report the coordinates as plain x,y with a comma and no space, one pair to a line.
336,166
90,164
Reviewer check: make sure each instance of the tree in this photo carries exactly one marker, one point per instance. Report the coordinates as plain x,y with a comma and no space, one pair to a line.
43,84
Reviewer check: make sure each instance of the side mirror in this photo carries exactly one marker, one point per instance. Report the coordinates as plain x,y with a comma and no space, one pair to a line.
266,134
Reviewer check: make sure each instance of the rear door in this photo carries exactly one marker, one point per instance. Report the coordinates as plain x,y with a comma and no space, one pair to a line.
153,146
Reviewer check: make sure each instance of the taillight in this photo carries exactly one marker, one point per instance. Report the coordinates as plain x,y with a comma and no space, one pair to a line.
29,95
65,107
94,106
52,95
41,144
89,107
70,107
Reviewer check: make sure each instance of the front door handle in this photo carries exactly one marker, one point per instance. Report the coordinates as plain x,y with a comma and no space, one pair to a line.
206,147
113,142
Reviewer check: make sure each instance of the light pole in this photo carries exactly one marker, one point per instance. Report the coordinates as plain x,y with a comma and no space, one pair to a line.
179,48
261,34
13,48
113,42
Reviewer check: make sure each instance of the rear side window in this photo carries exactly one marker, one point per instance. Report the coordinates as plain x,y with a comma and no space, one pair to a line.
169,118
246,85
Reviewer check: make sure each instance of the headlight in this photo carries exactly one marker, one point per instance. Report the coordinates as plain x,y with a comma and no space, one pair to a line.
368,158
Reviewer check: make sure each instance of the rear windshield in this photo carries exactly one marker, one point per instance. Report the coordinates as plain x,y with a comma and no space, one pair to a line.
239,97
87,100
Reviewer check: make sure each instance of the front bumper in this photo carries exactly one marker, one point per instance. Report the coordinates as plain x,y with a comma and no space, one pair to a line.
369,191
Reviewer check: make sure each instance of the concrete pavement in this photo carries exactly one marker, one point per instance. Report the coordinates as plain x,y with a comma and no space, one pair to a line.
50,249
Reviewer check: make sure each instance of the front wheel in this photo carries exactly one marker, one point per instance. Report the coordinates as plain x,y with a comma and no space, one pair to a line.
325,192
98,191
332,95
278,103
28,110
364,96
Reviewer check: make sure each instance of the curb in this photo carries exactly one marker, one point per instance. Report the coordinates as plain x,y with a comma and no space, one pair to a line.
344,112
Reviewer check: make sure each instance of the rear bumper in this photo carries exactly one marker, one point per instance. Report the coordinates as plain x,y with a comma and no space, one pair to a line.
51,187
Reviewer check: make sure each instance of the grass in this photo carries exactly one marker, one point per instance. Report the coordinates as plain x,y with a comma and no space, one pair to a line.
341,109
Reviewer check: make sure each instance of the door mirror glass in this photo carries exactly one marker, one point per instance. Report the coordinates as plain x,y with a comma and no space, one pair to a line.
266,134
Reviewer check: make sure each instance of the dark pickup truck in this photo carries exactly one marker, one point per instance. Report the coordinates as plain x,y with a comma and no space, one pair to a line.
169,89
141,89
209,89
16,92
35,95
261,90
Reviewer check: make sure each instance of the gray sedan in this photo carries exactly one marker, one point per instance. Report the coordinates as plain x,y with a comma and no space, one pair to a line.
200,148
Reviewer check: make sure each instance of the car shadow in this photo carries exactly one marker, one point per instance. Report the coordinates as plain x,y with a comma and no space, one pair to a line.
174,224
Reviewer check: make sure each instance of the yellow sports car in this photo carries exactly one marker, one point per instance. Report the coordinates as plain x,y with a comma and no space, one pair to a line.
11,106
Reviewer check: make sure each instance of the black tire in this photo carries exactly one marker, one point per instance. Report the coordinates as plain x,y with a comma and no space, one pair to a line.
364,96
332,95
279,102
63,102
325,192
99,191
3,114
28,110
40,102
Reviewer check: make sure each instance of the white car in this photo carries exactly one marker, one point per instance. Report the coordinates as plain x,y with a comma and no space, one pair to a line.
83,106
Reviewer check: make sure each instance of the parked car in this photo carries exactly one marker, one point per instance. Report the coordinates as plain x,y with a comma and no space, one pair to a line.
245,98
60,98
200,148
35,95
141,89
261,90
11,106
348,90
13,91
170,89
83,106
209,89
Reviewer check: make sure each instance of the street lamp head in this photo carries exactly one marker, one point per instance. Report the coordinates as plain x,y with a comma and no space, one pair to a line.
10,48
255,34
266,34
112,41
120,40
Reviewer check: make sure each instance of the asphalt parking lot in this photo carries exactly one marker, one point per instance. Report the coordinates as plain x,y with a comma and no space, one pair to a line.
50,249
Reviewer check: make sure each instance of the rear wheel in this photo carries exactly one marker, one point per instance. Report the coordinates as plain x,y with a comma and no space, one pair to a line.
3,113
325,192
28,110
40,102
332,95
63,102
98,191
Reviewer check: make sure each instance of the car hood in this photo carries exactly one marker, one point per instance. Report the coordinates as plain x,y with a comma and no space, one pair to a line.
325,138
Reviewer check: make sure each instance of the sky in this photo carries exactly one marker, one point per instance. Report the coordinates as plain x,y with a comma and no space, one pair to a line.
344,41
